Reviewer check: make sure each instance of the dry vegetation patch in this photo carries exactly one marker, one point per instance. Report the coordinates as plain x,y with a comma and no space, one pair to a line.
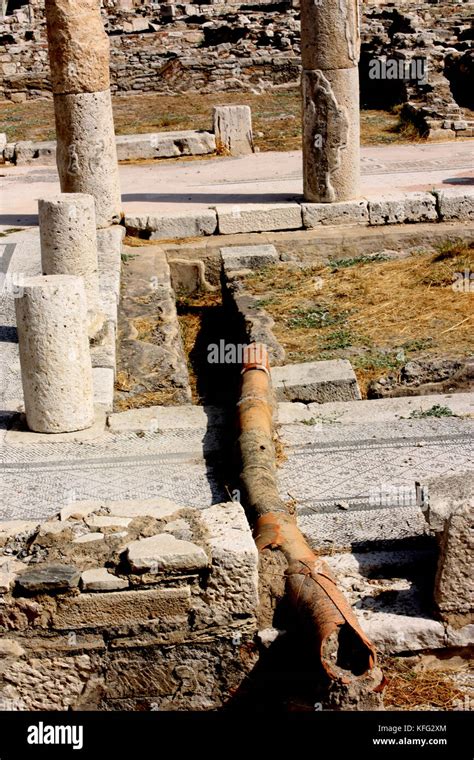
376,311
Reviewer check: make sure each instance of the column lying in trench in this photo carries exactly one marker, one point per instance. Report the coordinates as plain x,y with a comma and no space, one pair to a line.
330,44
79,61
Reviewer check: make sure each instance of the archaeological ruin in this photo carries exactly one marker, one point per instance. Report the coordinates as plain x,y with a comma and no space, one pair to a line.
236,381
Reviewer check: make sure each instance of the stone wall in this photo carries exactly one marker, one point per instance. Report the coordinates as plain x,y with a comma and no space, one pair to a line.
179,48
127,605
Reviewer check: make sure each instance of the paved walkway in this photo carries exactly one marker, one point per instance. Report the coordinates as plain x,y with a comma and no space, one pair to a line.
171,186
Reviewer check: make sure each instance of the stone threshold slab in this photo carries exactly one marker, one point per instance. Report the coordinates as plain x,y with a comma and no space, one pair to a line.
20,434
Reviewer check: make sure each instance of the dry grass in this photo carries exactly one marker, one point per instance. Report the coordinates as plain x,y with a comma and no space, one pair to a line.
409,688
275,114
191,309
378,313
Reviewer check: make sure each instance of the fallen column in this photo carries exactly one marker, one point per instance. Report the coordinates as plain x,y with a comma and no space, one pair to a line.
330,43
79,60
69,245
56,371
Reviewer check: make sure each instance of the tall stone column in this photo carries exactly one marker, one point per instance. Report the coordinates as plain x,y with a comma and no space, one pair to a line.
330,45
79,61
56,370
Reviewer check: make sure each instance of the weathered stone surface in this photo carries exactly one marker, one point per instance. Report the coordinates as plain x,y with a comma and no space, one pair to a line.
86,151
163,553
455,205
332,380
165,145
120,608
232,588
24,152
103,384
331,155
391,633
248,256
183,225
189,275
454,586
330,36
48,577
233,130
56,369
69,241
89,538
345,212
99,579
106,521
78,46
403,208
259,217
153,418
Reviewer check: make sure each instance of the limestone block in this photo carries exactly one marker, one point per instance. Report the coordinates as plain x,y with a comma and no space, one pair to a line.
99,579
332,380
454,585
9,152
56,370
331,155
78,46
24,152
330,34
248,256
48,577
258,217
120,608
103,384
392,633
455,205
233,130
402,208
163,553
345,212
3,143
182,225
86,151
165,145
232,587
69,241
189,275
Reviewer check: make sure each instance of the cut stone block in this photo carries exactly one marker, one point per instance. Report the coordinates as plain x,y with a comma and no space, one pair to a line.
248,256
233,130
89,538
104,521
165,145
323,381
99,579
455,205
183,225
344,212
49,578
103,384
154,418
121,608
233,584
403,208
392,633
164,552
189,276
258,217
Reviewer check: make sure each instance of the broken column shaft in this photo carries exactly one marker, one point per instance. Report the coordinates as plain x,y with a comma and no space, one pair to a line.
330,42
69,244
56,371
79,61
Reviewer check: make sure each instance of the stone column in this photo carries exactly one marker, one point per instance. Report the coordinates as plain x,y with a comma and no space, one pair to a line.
330,44
56,371
79,60
69,245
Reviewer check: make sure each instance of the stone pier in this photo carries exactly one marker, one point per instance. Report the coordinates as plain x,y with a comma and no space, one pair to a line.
69,244
330,43
79,61
56,370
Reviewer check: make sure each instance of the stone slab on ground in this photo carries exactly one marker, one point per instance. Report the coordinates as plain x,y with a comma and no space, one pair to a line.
165,553
403,208
163,418
185,224
248,256
262,217
344,212
316,381
20,434
454,205
165,145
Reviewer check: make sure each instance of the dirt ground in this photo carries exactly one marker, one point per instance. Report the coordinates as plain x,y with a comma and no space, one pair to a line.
276,118
378,312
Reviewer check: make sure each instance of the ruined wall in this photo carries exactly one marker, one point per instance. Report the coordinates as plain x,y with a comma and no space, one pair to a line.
180,48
